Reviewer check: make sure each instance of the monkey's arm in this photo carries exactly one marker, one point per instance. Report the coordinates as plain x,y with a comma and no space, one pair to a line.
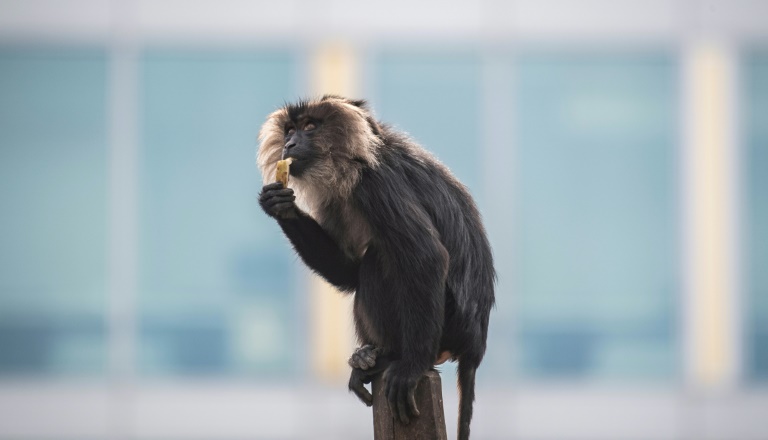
411,268
320,252
315,247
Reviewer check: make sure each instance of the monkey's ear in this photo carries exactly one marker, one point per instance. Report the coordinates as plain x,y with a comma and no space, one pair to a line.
328,96
362,103
375,128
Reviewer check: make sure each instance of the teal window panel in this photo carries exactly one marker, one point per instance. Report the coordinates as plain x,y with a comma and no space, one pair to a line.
596,235
437,99
53,195
756,205
216,278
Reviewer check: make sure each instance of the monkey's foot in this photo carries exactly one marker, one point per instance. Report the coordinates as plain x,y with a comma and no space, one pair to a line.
364,357
400,385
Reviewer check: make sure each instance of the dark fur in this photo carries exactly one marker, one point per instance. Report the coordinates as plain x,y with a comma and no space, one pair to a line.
400,231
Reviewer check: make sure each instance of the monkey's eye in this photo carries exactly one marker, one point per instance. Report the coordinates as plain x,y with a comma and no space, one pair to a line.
310,126
290,131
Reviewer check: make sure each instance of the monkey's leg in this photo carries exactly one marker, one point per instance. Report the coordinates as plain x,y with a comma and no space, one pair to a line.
364,357
389,302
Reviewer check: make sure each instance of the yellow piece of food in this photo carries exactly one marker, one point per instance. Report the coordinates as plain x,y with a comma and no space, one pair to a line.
281,175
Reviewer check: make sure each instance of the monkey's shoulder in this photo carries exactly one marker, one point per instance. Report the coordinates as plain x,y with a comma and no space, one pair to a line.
409,174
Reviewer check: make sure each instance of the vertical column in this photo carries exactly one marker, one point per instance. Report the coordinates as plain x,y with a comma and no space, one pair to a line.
710,218
123,214
334,70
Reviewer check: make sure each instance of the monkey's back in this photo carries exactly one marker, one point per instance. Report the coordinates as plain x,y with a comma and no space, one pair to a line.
470,279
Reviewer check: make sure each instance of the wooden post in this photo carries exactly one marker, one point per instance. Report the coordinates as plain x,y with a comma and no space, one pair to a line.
430,425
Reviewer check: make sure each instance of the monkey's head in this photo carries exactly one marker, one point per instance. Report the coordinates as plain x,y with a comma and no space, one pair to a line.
329,139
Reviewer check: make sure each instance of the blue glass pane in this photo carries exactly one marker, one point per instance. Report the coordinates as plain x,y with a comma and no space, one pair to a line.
756,245
53,189
216,289
596,234
436,98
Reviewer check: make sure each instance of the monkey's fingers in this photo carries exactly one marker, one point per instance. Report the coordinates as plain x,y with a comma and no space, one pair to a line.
268,203
368,358
400,402
354,361
357,387
362,393
357,361
368,361
392,400
273,185
365,357
396,397
412,408
280,192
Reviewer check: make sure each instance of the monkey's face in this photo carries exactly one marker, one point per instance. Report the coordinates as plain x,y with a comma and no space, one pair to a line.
300,146
328,140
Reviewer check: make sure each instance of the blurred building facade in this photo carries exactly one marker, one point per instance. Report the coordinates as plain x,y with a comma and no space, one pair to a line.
618,151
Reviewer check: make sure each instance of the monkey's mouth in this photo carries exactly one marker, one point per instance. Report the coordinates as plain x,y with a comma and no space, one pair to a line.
297,166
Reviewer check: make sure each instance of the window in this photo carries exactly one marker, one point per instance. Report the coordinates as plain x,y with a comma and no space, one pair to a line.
756,218
53,195
596,227
217,288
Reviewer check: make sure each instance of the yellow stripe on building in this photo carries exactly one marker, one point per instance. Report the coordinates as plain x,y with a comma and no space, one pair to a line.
334,70
713,355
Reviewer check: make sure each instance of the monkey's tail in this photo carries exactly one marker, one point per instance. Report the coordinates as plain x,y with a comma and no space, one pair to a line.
466,372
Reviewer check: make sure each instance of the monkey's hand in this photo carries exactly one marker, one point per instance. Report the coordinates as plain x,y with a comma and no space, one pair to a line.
364,357
359,377
357,381
400,385
278,202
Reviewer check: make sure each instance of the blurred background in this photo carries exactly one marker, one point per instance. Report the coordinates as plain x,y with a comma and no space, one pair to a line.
618,150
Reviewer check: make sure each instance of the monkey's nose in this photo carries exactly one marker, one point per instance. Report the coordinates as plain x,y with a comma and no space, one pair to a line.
290,144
